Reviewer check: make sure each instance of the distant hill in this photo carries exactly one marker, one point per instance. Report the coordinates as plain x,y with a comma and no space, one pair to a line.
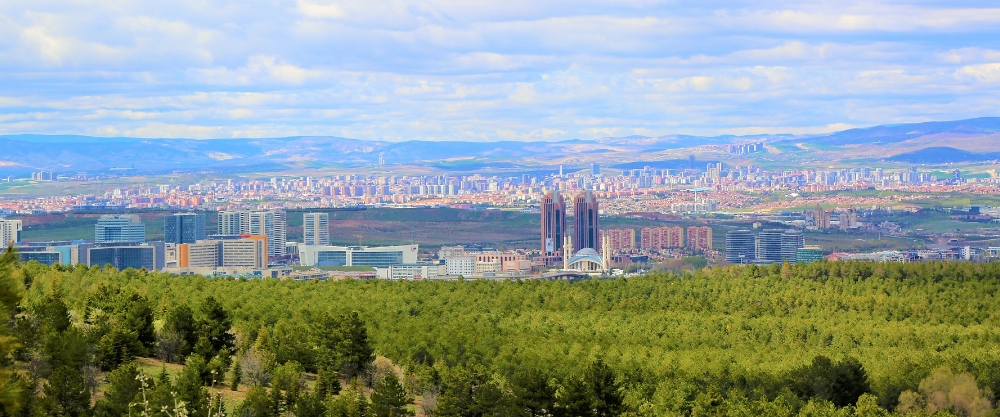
942,154
899,133
69,153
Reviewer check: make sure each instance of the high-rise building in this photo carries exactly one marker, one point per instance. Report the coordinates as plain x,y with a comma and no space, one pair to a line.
183,227
621,240
595,169
270,223
699,238
553,223
769,246
10,232
808,254
119,228
243,252
316,228
740,247
586,230
655,238
234,222
791,241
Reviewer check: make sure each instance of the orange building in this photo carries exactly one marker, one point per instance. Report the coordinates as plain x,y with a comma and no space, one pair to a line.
622,240
700,238
654,238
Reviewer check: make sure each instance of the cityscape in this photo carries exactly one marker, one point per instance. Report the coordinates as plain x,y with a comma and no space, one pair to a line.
436,208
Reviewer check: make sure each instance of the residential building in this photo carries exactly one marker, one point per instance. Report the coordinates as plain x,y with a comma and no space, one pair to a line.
10,232
622,240
656,238
119,228
316,228
699,238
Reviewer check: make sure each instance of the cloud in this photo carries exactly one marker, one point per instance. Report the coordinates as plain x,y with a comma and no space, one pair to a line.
986,73
512,70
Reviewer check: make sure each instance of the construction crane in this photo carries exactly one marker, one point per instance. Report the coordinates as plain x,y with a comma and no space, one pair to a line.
359,239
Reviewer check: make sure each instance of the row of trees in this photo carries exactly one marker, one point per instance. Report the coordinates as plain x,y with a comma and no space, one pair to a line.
817,339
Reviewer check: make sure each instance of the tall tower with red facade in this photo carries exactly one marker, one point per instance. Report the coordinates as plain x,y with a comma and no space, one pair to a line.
586,231
553,223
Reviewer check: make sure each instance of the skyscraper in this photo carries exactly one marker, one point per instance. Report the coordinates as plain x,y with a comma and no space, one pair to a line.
183,227
740,247
553,223
595,169
316,228
119,228
586,232
10,232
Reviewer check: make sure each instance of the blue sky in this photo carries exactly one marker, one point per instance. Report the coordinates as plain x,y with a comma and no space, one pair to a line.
500,70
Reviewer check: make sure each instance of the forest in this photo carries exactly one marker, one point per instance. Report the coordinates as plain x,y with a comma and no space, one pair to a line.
820,339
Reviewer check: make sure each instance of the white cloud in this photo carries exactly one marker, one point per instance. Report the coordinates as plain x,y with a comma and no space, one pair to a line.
987,73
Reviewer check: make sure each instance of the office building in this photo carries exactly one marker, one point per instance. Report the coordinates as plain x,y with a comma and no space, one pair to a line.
699,238
247,251
270,223
595,169
464,265
553,223
121,256
791,241
312,255
741,247
586,230
10,232
769,246
316,228
119,228
183,227
413,271
807,254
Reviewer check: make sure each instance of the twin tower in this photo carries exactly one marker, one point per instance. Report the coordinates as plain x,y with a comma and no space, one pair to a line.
586,233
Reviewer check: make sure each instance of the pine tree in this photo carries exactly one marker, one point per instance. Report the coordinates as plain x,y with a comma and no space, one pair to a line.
12,389
389,399
123,386
66,394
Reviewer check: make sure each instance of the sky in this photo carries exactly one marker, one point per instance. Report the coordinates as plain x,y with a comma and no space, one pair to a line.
487,71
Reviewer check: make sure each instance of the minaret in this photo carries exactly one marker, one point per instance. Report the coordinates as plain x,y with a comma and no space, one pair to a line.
606,252
567,251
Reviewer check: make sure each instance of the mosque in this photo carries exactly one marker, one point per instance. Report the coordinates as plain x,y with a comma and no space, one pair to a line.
587,260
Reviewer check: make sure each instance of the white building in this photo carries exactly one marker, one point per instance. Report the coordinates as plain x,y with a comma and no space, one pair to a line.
411,272
382,257
316,228
270,223
460,265
10,232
